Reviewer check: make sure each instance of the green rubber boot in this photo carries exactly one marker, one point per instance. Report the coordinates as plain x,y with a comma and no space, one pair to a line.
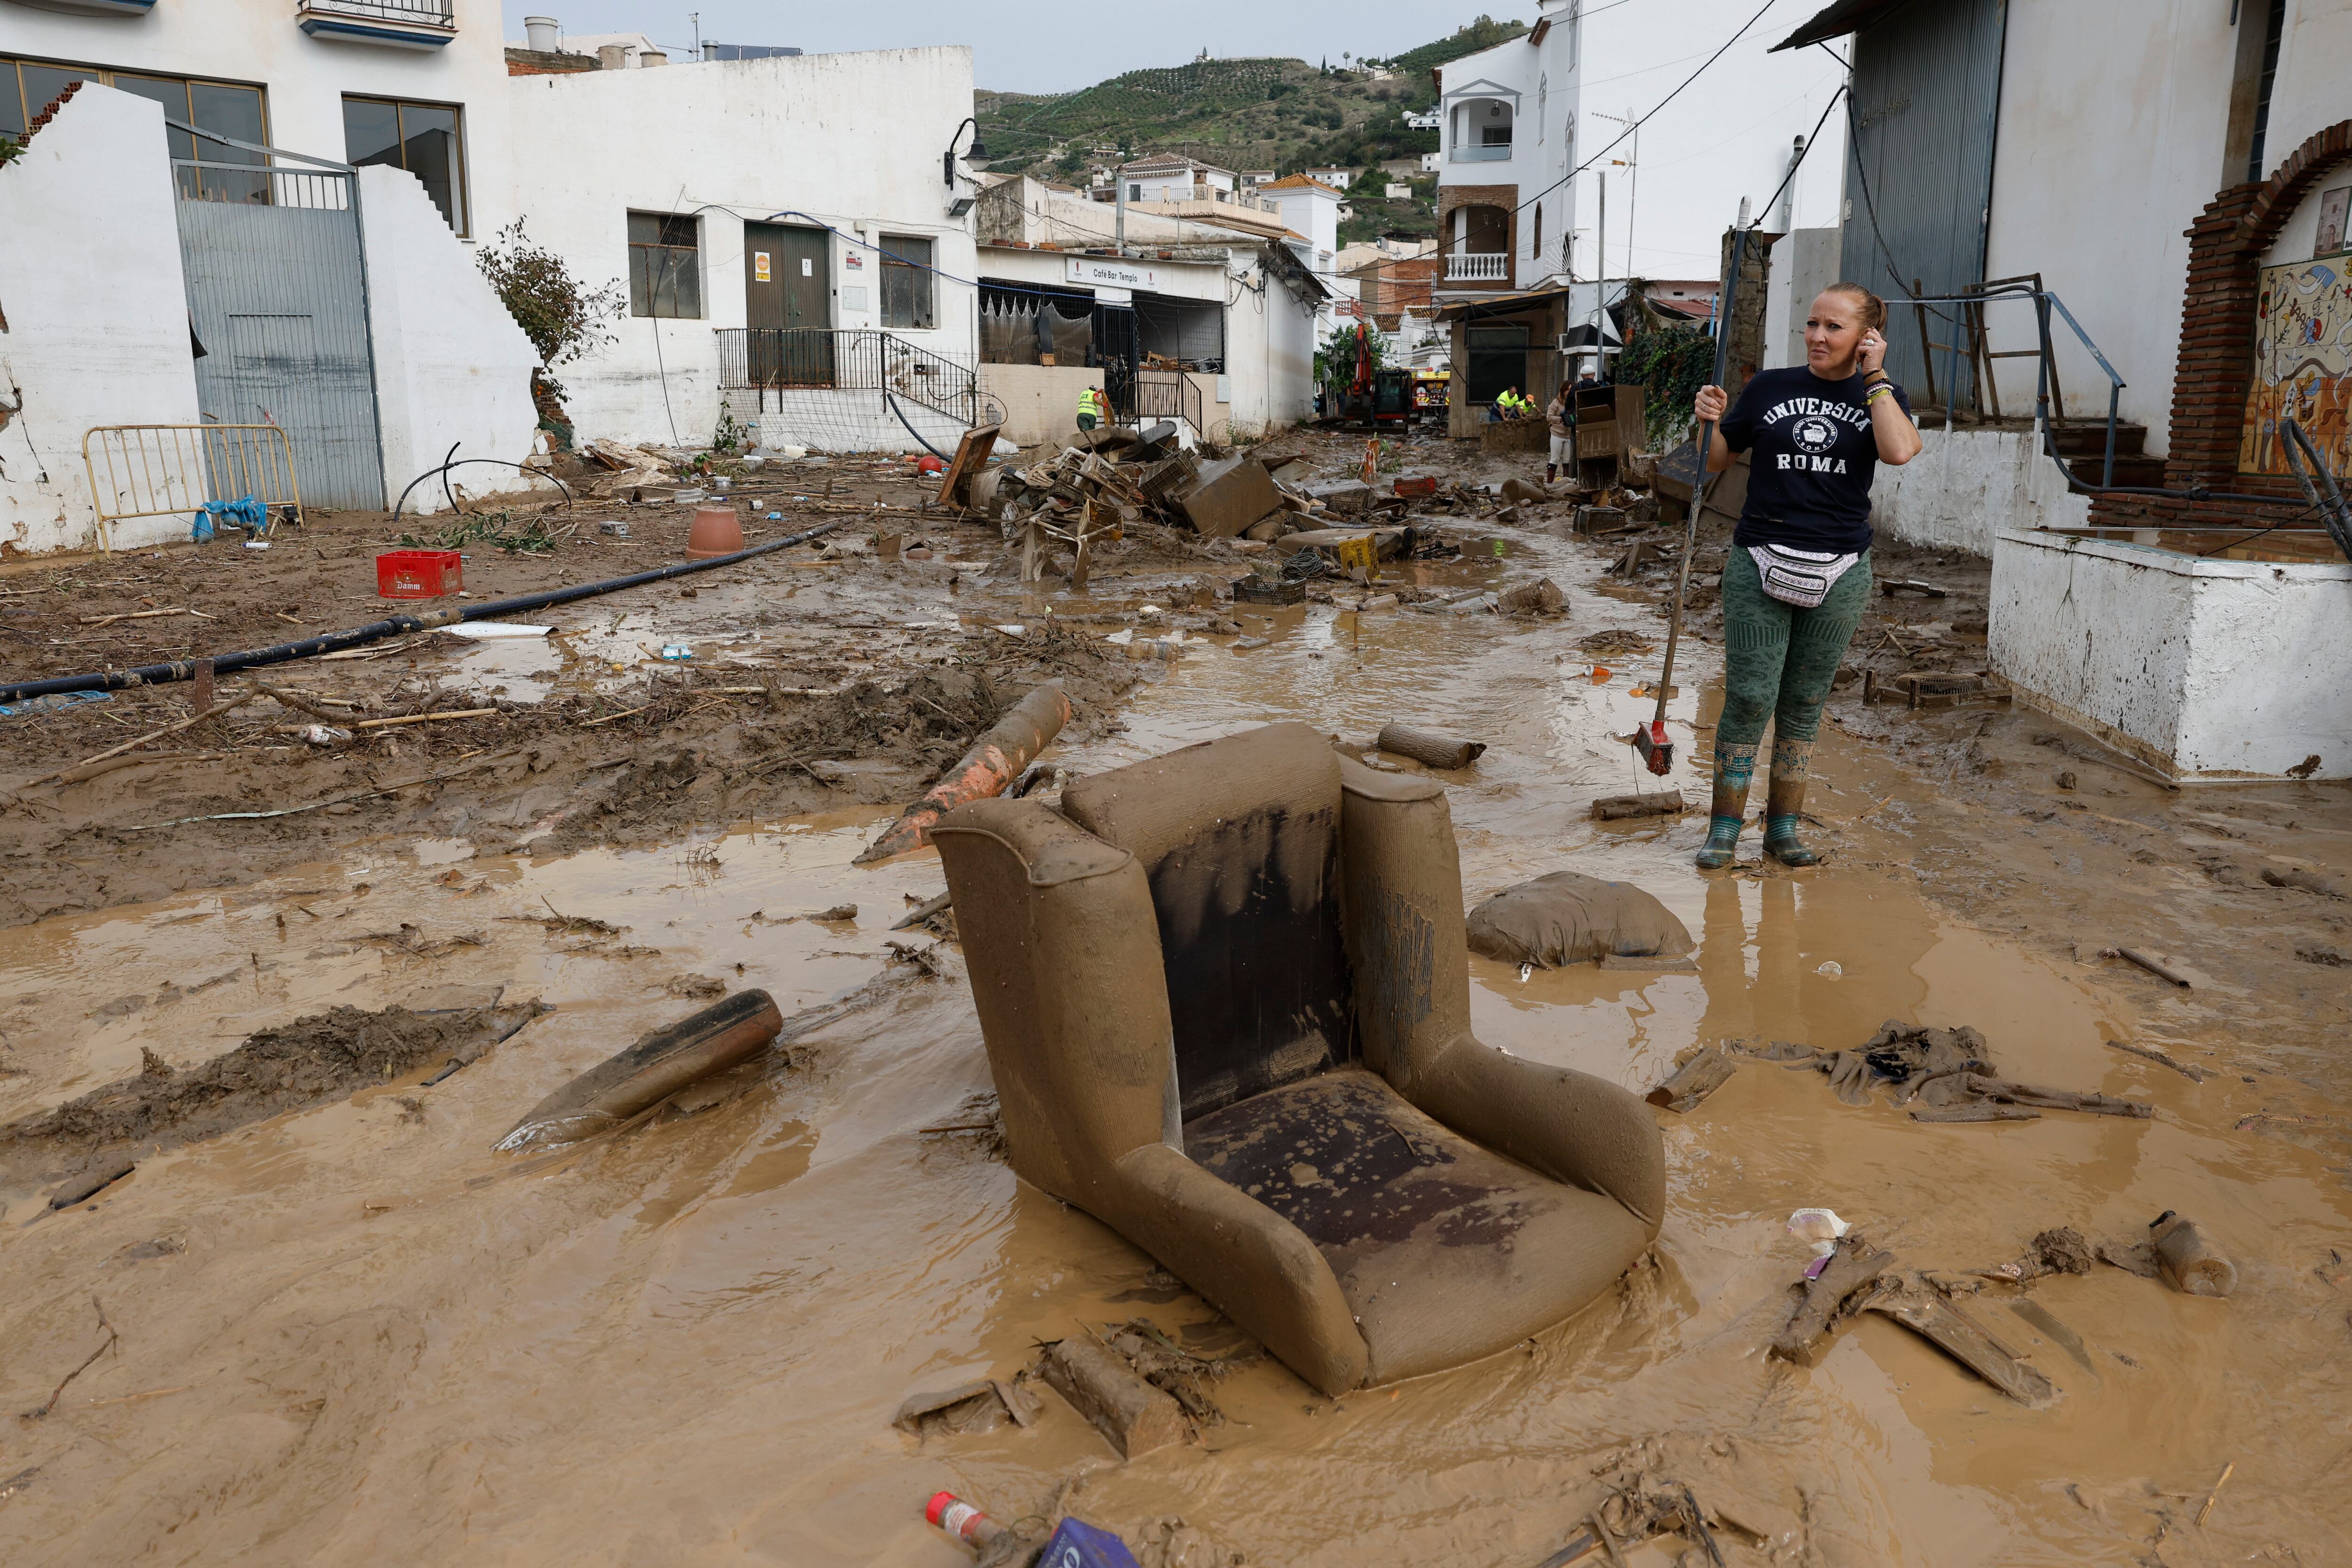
1784,803
1735,766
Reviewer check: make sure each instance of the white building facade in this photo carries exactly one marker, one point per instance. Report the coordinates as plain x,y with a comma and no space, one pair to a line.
1506,200
817,194
1209,325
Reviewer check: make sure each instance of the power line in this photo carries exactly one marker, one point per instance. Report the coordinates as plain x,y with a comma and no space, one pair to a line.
1799,161
1662,103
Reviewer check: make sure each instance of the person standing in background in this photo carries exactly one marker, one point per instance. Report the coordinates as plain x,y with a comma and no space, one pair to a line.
1561,415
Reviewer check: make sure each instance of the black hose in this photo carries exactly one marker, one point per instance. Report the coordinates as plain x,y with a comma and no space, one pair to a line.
2330,505
358,636
913,432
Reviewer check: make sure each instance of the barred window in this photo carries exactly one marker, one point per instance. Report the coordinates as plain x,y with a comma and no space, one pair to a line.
665,266
906,279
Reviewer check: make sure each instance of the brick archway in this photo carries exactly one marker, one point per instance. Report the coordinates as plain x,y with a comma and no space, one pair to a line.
2212,375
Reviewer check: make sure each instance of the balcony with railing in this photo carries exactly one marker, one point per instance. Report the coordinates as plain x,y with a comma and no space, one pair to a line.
390,24
1478,266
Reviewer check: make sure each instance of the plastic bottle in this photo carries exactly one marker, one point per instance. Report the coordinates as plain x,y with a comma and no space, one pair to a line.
960,1520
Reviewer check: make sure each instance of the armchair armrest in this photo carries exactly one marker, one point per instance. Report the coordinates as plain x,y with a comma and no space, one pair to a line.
1252,1265
1570,1125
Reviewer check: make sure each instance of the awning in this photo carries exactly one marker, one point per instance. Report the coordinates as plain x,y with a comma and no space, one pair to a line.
1836,21
1502,304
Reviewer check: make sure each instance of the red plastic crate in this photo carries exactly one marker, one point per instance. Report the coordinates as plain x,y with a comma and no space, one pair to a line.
419,573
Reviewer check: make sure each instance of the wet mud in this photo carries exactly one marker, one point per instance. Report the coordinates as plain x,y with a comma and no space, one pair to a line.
275,1072
356,1333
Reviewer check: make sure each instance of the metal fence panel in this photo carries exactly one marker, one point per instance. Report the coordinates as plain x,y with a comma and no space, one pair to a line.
1927,98
278,298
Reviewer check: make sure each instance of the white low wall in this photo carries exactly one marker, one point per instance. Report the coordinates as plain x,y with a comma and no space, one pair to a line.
1041,401
451,366
2205,670
1963,489
97,312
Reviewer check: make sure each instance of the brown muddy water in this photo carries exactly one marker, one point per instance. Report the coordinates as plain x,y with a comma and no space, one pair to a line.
356,1334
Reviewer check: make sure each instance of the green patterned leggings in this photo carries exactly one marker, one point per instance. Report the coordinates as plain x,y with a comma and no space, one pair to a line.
1778,659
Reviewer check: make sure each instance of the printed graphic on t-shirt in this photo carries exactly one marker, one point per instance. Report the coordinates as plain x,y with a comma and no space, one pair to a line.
1814,433
1813,451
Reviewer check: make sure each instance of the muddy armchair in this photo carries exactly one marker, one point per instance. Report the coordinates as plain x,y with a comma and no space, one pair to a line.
1225,998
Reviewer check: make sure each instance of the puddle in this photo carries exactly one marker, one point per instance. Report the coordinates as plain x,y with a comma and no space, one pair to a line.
685,1347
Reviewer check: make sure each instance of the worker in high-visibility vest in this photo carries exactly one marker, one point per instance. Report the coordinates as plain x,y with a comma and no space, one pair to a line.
1090,408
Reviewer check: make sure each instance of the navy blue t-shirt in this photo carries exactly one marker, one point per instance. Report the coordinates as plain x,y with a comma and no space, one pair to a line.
1814,455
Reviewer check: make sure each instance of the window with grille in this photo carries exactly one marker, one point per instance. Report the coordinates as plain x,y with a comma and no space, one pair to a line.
907,278
425,138
209,170
665,266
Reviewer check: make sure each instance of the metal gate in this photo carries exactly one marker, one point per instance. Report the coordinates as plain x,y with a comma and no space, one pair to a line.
278,301
1927,99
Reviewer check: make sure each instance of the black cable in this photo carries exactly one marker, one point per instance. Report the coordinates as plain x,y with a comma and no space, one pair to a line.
442,472
1800,163
662,370
2258,533
431,619
1662,103
1869,206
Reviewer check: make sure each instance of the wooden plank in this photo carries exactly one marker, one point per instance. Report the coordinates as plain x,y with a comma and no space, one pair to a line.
1918,1308
1695,1080
970,454
1854,1265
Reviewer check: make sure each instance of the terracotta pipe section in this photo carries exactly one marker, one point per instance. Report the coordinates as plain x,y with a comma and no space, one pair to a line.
994,761
723,1035
1430,748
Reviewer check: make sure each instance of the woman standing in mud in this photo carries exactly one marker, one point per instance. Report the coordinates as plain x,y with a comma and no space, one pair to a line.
1798,575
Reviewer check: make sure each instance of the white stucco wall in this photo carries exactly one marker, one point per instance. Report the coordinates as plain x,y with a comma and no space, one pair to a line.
1272,331
257,43
451,366
850,141
1269,376
1041,401
2114,121
1963,489
97,313
2205,670
1312,213
1801,264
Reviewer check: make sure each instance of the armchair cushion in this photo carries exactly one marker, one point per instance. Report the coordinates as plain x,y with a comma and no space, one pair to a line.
1445,1251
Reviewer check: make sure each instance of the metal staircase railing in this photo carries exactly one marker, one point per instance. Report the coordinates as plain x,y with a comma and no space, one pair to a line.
779,359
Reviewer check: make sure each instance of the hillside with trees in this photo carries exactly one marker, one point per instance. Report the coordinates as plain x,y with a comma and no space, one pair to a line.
1279,114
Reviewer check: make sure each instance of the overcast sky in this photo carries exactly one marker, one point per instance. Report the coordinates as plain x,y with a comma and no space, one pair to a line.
1727,136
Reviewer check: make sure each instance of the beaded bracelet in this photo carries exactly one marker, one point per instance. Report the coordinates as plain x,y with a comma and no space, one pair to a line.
1885,389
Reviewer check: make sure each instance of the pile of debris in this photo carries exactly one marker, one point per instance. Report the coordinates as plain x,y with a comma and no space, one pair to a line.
1132,476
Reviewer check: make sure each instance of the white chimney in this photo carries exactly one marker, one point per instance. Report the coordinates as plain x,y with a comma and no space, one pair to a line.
542,33
652,58
612,57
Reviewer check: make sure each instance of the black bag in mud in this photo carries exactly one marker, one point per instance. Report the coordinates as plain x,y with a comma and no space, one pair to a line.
1568,918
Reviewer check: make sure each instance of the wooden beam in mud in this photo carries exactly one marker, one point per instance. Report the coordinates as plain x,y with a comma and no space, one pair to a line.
1854,1265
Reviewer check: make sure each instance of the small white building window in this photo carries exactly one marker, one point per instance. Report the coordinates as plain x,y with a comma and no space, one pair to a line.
906,279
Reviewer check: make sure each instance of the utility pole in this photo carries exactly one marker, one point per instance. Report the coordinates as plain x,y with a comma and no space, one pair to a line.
1601,283
696,17
1786,218
1632,163
1118,197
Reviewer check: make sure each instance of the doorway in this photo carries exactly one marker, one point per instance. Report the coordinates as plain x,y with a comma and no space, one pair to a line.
788,306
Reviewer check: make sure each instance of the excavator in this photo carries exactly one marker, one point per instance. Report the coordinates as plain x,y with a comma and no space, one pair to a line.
1376,397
